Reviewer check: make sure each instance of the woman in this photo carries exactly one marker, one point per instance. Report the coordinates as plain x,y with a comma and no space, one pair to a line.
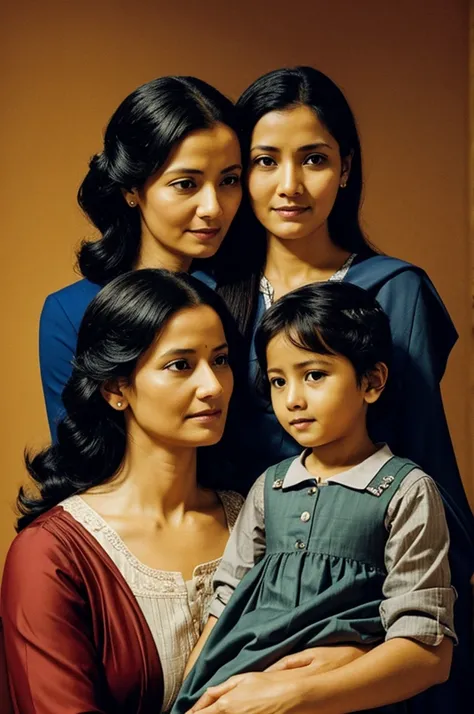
301,144
106,586
162,192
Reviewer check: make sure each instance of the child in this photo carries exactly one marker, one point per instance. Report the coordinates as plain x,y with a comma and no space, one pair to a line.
345,544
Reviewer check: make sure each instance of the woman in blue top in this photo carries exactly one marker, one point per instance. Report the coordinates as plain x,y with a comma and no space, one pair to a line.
300,140
163,192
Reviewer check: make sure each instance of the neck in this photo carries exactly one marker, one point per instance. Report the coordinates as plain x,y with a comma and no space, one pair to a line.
155,480
297,262
340,455
155,255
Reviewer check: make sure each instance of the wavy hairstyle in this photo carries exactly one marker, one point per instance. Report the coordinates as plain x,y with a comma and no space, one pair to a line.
138,140
239,263
119,325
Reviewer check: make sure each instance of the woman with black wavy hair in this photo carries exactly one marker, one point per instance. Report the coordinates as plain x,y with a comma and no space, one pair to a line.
163,192
106,586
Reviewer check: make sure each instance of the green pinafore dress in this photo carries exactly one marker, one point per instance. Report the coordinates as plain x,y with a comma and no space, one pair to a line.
319,582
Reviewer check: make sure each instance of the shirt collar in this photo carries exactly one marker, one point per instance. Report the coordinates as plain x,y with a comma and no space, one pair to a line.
358,477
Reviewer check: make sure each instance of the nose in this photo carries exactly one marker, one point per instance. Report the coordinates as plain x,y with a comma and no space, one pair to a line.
290,183
295,399
208,386
209,206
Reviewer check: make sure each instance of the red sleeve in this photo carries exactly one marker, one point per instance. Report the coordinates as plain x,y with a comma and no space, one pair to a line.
52,662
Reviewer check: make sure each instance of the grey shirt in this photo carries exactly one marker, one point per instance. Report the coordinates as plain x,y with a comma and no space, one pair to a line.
418,596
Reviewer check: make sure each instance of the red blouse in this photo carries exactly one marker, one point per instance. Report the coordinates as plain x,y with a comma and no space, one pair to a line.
75,638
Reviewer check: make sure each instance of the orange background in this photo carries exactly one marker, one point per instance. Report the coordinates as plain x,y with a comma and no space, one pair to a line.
66,66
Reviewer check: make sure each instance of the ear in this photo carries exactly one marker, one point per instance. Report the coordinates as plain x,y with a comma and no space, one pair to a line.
131,197
113,394
346,164
374,382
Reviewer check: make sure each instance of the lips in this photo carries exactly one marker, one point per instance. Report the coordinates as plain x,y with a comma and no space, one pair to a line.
301,424
301,420
206,415
205,233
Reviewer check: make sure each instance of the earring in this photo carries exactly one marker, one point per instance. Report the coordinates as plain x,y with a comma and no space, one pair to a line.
132,204
119,404
343,184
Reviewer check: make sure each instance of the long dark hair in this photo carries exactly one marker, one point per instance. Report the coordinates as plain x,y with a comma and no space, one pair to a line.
119,325
138,140
239,263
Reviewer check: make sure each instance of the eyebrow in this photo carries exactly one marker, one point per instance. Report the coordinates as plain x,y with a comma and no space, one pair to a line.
306,147
185,170
302,365
178,352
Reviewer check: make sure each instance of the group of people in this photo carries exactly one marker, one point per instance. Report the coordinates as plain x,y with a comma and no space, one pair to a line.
235,336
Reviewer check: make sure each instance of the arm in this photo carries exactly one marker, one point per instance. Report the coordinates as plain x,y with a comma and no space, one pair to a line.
417,615
57,346
412,420
209,626
51,659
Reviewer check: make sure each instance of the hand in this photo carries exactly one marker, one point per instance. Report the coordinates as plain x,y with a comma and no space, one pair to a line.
320,659
251,693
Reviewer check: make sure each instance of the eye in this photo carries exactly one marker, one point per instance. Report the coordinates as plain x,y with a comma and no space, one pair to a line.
316,160
277,382
264,161
315,376
222,360
232,180
179,365
184,184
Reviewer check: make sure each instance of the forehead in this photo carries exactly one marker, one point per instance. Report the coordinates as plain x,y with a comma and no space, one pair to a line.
217,143
190,327
299,125
282,352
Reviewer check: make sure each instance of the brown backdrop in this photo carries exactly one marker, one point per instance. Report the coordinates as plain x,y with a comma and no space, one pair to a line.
66,66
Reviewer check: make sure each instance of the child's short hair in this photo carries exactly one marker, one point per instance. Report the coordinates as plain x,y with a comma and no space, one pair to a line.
329,318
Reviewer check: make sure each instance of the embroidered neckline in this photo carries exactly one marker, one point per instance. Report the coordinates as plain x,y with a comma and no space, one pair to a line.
93,522
266,288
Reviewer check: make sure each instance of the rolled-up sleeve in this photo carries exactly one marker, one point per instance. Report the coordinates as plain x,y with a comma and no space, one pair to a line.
419,598
245,547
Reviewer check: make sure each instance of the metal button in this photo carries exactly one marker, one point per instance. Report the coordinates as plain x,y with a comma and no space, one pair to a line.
278,483
300,545
312,490
305,516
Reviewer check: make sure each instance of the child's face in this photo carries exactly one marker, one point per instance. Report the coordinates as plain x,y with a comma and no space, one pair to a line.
316,398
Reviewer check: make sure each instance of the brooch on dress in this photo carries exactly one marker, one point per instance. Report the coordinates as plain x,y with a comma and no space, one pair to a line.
385,483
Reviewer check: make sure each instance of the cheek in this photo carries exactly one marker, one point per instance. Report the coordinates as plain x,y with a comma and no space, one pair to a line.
260,189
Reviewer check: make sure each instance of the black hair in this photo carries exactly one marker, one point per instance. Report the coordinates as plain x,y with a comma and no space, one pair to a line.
333,318
118,327
139,137
240,262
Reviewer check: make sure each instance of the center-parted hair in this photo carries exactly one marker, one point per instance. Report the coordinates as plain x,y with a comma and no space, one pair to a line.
119,326
333,318
138,140
241,260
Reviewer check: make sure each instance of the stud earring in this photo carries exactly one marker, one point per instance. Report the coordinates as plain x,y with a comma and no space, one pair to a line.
119,404
343,184
132,204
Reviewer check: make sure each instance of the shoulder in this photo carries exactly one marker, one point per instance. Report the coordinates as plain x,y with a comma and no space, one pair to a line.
70,302
39,550
379,270
417,491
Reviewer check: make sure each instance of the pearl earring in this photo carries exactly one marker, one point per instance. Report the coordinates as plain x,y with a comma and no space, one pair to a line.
119,404
343,184
132,204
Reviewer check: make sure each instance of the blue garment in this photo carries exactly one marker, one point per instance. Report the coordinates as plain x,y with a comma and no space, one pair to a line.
59,325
